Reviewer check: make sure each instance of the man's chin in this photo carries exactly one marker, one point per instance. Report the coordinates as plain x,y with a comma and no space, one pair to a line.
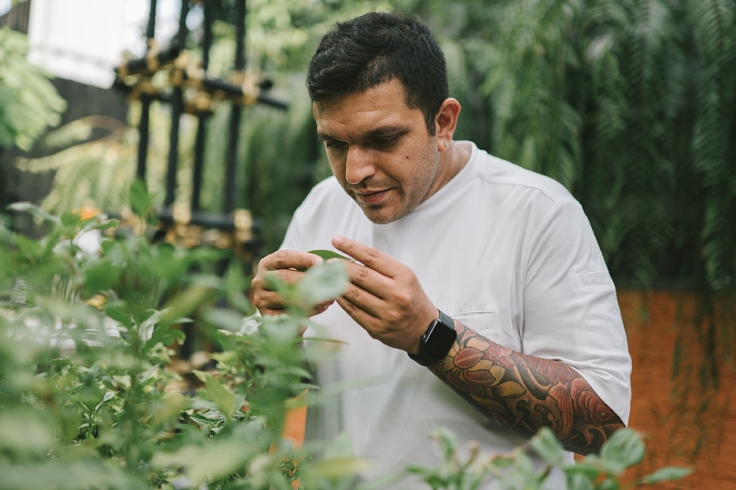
381,215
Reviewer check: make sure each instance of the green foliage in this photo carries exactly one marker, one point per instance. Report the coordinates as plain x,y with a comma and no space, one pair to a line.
516,470
630,105
98,173
28,101
88,398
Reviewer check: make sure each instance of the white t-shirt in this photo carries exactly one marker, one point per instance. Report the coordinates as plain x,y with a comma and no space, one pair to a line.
507,252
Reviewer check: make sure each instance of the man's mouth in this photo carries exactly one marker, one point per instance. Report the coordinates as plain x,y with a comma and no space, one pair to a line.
371,196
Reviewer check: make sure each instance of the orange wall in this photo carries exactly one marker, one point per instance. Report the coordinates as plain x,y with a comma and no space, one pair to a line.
688,421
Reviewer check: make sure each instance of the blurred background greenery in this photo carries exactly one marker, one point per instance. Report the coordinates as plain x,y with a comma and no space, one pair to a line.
629,104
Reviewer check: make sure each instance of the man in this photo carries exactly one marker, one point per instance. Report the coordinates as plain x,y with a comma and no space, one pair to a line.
487,274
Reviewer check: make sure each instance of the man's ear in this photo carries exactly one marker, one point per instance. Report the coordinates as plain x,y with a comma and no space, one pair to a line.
445,122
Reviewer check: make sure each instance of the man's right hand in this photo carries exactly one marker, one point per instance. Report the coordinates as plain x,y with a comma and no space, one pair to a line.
288,266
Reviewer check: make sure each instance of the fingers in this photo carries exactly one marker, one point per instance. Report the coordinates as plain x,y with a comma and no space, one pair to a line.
367,279
321,308
289,259
271,303
376,260
287,265
268,303
289,276
364,300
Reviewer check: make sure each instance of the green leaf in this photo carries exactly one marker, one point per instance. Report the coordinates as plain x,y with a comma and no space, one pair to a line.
118,315
224,318
70,220
548,447
165,334
583,468
579,482
447,441
141,201
214,460
341,466
235,283
608,484
35,210
322,283
329,254
668,473
109,223
184,303
172,405
218,393
625,447
24,432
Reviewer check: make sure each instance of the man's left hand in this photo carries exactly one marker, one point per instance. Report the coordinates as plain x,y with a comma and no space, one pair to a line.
385,297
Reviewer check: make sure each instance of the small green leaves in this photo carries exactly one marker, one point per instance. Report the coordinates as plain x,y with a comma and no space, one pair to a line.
29,103
321,284
341,466
625,448
165,335
328,254
447,441
141,201
34,210
668,473
578,481
222,397
548,447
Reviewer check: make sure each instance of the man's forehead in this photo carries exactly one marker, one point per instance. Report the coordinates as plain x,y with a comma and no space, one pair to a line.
391,89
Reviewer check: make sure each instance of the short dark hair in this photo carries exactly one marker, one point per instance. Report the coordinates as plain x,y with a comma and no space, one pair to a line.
375,48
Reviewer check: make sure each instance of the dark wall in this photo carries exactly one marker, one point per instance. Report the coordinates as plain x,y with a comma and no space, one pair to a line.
17,17
82,100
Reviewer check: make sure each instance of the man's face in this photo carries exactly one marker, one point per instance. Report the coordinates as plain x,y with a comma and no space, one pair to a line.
379,150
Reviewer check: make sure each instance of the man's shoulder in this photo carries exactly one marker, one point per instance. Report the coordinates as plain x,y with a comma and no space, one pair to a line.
514,179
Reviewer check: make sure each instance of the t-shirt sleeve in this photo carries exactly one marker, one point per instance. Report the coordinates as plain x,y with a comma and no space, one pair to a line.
571,312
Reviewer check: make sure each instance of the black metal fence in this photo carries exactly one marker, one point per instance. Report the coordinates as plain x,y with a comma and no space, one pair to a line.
192,91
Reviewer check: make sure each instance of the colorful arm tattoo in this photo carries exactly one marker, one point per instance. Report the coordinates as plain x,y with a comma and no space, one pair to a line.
524,393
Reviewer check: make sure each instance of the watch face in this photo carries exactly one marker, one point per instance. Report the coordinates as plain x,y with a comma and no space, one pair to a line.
439,340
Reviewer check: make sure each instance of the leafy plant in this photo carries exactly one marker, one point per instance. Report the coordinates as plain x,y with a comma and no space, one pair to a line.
516,470
28,102
88,398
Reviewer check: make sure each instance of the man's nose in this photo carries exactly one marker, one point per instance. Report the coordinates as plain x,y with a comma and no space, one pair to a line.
358,165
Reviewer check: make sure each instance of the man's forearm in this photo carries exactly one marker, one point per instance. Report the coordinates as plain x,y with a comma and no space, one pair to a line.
524,393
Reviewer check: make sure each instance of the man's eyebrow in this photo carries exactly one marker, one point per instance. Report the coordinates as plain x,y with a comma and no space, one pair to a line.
378,133
324,136
385,132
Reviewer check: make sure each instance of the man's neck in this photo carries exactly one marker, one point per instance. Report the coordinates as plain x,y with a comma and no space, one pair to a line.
452,161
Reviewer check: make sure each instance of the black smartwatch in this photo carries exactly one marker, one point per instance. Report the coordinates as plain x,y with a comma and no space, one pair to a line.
436,341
